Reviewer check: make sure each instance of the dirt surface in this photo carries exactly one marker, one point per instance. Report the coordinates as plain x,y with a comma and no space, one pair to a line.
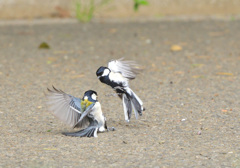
191,93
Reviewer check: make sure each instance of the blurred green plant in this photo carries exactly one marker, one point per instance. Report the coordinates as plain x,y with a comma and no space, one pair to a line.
85,9
84,13
44,45
137,3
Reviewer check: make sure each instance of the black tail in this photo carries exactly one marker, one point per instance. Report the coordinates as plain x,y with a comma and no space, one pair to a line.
132,102
87,132
136,105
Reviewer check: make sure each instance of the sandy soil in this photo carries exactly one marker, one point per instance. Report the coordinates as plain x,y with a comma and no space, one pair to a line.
191,93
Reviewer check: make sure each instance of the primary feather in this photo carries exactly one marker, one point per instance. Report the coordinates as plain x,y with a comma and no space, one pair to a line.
66,107
128,69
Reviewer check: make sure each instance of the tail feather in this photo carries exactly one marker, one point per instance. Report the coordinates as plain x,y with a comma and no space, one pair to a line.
137,106
127,107
87,132
135,110
136,103
131,102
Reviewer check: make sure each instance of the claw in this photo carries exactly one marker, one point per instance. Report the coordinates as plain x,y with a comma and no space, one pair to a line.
111,129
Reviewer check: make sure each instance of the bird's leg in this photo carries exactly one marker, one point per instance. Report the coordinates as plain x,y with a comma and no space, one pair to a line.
107,128
105,125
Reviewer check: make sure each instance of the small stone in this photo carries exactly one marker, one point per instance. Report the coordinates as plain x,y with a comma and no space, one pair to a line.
148,41
65,57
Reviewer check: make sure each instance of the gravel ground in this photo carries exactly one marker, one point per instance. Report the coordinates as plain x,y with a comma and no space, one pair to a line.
189,86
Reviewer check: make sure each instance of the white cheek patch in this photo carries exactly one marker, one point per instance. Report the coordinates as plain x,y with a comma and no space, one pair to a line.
105,72
85,98
94,96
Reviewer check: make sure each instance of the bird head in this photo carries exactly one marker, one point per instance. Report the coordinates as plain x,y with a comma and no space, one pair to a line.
102,71
89,98
90,95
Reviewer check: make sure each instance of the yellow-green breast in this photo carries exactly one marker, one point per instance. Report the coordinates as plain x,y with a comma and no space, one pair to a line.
85,104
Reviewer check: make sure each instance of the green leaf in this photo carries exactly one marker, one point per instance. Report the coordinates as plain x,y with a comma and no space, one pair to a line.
44,45
136,6
143,2
139,2
84,13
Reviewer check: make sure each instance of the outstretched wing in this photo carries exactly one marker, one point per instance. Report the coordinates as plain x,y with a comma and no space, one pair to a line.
128,69
64,106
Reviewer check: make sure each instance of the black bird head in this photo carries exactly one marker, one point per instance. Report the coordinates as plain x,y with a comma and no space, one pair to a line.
102,71
91,95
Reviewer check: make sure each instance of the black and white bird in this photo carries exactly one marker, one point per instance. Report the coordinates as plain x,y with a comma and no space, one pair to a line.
117,75
85,113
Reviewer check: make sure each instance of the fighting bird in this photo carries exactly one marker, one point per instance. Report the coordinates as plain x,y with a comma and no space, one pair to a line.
83,113
117,75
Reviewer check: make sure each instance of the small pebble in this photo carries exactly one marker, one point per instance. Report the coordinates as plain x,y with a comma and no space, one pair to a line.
65,57
148,41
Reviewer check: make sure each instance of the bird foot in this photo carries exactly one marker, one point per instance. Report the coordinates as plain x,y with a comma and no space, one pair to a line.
111,129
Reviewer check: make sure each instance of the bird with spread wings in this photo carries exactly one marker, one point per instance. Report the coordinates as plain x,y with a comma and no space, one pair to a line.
117,75
85,113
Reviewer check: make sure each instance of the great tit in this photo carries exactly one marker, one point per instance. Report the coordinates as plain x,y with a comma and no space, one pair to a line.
85,113
117,75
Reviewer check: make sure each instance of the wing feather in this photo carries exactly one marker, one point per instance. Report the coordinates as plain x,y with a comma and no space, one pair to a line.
129,69
64,106
84,117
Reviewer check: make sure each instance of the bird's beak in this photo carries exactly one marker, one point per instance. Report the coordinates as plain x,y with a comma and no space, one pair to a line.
98,77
